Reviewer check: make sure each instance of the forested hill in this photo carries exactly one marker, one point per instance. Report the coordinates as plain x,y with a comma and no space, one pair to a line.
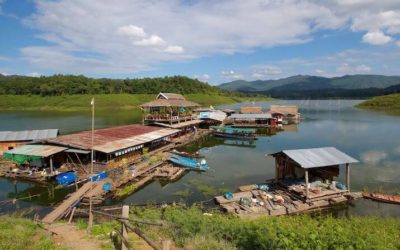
303,86
69,85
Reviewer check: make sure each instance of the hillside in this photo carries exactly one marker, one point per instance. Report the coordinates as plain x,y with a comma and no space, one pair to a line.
316,87
389,103
105,101
58,85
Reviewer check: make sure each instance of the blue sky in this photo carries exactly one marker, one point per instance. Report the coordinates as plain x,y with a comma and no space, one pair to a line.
214,41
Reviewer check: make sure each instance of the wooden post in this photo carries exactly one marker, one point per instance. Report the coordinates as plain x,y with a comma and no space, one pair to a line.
72,215
306,177
125,214
276,171
348,176
51,164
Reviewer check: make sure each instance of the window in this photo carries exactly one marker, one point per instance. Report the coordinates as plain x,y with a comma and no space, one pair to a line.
9,148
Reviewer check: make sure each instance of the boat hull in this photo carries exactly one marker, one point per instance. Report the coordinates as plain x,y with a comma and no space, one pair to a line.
187,163
387,198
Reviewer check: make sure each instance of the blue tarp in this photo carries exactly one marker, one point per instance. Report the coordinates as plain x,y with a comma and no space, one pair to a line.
99,176
66,178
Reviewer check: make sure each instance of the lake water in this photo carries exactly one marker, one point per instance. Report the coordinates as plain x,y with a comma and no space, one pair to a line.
371,137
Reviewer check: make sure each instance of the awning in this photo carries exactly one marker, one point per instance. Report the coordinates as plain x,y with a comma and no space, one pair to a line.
31,152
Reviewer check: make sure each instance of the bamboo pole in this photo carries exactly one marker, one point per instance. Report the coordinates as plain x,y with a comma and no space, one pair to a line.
348,176
124,230
90,223
306,177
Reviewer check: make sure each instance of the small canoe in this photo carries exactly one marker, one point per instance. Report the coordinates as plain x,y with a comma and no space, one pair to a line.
189,163
388,198
196,155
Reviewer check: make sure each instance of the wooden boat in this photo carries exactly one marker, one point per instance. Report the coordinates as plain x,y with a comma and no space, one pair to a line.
388,198
235,133
196,155
189,163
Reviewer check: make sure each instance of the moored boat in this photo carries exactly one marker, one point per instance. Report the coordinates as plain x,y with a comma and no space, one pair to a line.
196,155
189,163
235,133
388,198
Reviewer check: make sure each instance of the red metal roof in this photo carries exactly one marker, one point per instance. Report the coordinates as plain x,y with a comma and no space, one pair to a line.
83,140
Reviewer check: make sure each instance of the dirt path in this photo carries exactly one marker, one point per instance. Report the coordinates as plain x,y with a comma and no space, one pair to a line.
68,236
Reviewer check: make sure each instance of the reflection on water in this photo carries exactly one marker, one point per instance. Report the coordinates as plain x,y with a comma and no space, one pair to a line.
371,137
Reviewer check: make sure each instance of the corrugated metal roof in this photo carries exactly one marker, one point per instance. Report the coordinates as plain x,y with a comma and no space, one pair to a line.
36,150
135,140
83,140
251,116
214,115
319,157
28,135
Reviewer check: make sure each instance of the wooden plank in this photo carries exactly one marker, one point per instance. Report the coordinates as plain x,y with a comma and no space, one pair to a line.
67,204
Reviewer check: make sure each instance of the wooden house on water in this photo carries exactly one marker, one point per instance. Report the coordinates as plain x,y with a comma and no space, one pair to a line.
305,180
285,112
113,148
172,111
13,139
252,120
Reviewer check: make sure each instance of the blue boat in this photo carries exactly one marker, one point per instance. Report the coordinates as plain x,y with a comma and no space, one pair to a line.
189,163
66,178
234,133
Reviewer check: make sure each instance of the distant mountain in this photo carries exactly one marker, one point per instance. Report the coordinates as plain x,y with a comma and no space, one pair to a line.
302,86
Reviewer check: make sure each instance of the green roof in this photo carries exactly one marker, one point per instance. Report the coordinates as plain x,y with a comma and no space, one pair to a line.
31,152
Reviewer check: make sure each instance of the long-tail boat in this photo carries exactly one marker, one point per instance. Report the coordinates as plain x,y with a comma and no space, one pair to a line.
196,155
234,133
388,198
189,163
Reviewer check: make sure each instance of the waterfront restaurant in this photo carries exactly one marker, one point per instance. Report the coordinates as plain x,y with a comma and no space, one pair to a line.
172,111
113,147
310,174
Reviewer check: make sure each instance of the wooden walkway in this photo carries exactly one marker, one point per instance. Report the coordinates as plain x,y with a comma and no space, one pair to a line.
67,204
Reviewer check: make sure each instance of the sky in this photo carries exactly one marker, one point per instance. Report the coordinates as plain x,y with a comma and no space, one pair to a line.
215,41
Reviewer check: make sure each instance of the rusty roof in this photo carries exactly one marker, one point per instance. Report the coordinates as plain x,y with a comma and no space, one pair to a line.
83,140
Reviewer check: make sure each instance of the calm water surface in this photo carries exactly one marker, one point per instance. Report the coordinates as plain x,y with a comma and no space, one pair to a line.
371,137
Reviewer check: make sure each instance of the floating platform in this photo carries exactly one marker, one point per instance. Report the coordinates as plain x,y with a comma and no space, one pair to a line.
252,202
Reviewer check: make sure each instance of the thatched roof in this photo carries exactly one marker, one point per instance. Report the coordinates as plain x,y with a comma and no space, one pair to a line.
170,96
169,103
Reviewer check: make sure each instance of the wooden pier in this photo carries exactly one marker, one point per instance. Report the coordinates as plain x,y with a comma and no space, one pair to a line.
69,203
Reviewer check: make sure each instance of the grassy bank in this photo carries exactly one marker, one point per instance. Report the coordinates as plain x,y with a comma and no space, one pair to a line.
389,103
105,101
191,229
18,233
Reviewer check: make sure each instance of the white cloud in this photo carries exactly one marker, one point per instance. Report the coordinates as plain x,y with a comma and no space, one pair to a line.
346,68
132,31
231,75
376,38
34,74
153,40
174,49
109,40
203,77
373,156
266,71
